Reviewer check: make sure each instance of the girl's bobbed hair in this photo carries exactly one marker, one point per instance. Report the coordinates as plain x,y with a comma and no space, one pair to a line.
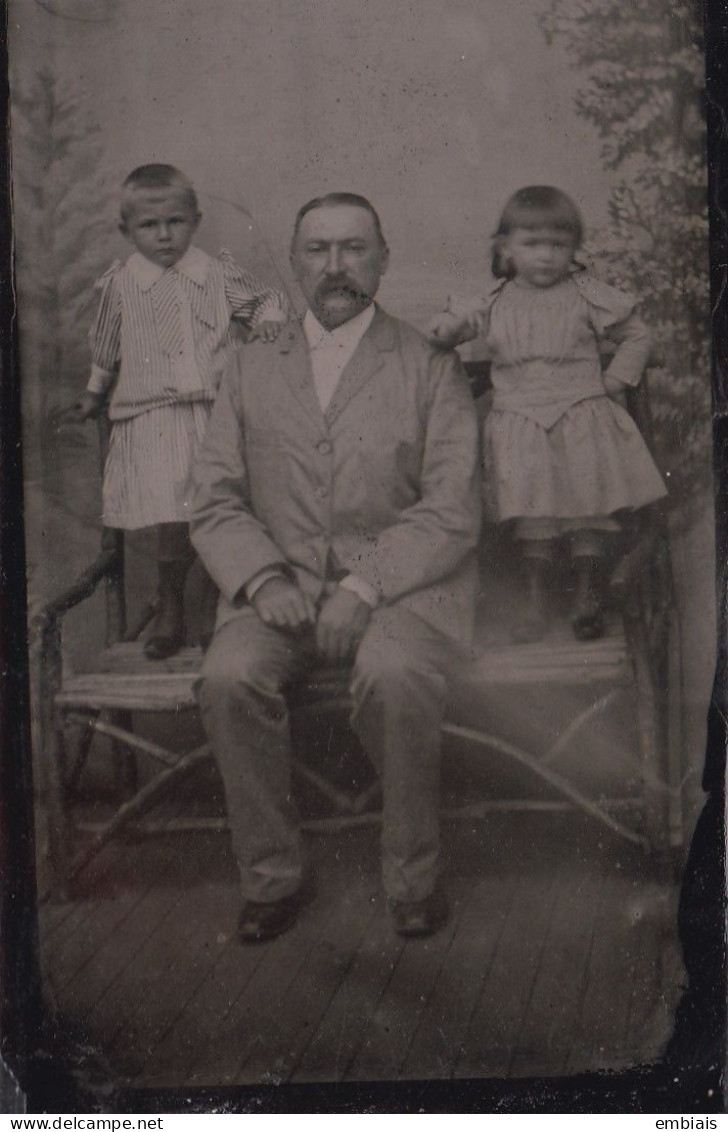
536,206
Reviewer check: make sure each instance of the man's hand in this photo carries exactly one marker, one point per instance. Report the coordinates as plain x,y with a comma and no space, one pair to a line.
341,624
267,330
282,605
84,408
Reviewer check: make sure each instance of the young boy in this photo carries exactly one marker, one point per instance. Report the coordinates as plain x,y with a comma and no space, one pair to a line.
162,336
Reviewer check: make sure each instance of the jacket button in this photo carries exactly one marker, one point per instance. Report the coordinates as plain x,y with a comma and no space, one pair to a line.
324,447
321,492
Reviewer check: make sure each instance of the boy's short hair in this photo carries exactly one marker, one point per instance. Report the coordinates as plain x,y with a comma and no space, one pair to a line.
333,199
150,177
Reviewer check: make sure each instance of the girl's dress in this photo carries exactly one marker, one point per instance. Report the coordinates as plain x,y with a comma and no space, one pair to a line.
160,343
558,449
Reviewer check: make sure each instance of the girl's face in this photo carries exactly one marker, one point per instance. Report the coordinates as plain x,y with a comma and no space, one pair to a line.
539,257
161,225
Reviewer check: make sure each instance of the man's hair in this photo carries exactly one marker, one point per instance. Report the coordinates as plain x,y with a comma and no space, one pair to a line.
333,199
536,206
146,178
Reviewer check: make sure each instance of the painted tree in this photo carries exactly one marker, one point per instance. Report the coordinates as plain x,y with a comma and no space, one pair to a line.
643,91
64,230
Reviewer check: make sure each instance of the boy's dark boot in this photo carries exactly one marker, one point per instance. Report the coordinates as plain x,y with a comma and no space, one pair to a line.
175,556
587,619
534,622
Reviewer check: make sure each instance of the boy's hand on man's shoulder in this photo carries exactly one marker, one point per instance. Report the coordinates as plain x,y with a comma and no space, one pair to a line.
84,408
267,330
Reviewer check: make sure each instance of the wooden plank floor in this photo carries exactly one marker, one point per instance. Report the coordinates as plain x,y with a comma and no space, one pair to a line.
559,956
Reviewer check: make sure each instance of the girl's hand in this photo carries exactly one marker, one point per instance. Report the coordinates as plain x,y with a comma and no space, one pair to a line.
86,407
445,331
614,387
267,330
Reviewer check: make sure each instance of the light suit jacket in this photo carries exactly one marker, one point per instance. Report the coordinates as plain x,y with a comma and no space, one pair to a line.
384,484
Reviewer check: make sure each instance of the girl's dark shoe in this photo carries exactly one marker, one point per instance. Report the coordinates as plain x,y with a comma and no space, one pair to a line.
532,626
587,621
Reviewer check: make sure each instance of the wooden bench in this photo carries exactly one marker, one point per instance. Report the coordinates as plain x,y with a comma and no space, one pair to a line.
121,685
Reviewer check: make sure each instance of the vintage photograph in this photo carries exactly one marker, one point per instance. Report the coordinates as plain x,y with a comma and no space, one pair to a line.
370,537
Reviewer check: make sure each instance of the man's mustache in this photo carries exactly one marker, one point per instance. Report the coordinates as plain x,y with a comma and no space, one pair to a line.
336,284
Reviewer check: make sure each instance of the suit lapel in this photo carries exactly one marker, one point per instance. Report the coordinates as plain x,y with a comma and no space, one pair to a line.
366,360
295,366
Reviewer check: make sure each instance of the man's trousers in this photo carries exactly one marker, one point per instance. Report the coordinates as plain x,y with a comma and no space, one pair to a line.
398,690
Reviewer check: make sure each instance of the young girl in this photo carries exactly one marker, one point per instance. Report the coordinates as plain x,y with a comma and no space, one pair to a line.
162,336
564,458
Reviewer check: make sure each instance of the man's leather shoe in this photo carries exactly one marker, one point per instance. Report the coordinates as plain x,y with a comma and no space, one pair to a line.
419,917
261,922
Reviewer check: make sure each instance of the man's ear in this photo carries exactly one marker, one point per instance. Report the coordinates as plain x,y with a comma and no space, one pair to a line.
385,259
196,221
124,230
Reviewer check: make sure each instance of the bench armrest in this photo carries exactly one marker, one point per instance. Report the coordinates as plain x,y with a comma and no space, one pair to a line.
80,589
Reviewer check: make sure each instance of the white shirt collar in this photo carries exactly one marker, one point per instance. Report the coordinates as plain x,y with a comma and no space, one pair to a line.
349,334
194,264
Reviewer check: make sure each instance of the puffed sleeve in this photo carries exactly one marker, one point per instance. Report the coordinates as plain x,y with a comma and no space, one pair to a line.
468,319
249,300
105,333
612,314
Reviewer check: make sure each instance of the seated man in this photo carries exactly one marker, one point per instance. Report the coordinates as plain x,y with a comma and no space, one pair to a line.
337,508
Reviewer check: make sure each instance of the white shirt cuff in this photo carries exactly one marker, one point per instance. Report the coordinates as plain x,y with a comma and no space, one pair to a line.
100,380
361,588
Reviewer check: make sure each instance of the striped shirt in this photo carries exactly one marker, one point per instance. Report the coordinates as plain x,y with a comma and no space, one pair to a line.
164,336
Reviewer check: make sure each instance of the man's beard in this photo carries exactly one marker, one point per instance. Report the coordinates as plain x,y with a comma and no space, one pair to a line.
344,288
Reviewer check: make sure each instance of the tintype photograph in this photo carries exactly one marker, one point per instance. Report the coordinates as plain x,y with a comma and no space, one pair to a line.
365,366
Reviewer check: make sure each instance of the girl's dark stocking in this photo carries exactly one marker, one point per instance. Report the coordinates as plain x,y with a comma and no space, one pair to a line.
587,619
537,561
174,558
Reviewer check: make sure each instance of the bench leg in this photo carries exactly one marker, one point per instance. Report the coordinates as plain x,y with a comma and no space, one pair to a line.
126,767
52,764
150,794
649,741
59,831
85,725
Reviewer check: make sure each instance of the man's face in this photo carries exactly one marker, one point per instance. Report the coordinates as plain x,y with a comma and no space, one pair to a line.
338,261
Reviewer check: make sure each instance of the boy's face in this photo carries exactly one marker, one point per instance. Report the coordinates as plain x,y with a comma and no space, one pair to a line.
160,224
